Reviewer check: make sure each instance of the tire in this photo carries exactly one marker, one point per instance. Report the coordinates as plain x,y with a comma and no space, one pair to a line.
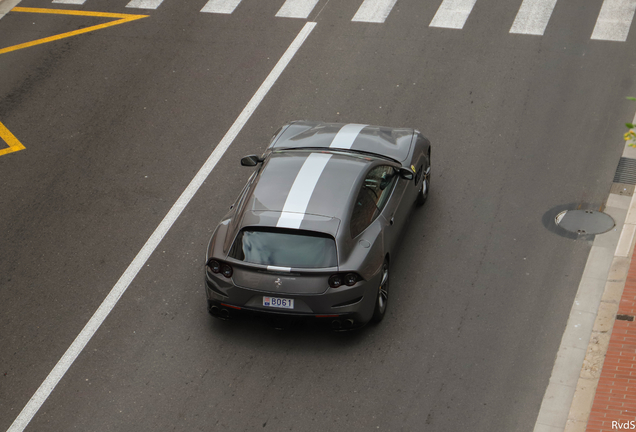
383,295
422,195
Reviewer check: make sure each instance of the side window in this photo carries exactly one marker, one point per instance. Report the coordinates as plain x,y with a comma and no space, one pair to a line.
372,197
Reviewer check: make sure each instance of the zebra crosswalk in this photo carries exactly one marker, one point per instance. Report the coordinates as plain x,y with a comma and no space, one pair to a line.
613,22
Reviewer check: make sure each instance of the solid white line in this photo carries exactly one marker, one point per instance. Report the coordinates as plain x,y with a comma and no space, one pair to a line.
452,14
76,2
146,251
533,17
346,136
220,6
614,20
144,4
374,11
297,8
301,191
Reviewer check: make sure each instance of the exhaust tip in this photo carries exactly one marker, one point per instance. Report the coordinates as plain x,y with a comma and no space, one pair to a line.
336,324
348,323
225,314
214,310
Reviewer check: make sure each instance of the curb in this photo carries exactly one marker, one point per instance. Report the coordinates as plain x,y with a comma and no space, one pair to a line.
602,330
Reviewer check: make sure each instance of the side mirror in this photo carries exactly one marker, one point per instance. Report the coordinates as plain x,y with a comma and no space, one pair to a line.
407,174
251,160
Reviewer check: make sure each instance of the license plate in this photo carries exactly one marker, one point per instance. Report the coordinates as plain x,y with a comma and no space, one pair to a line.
276,302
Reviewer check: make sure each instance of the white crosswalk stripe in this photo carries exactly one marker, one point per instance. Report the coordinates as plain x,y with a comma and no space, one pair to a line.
297,8
374,11
614,20
453,14
220,6
533,17
144,4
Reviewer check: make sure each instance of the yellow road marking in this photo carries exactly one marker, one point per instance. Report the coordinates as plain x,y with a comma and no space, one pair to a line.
123,18
11,140
5,134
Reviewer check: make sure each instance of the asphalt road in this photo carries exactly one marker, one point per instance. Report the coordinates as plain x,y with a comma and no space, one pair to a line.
116,122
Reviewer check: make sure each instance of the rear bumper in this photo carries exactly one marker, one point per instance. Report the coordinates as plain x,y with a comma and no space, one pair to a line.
352,306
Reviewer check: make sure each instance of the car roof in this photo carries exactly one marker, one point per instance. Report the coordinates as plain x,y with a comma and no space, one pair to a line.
394,143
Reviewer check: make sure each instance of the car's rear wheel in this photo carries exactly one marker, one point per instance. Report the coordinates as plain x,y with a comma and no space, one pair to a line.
383,295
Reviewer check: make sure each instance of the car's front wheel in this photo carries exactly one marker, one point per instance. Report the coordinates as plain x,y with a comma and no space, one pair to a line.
426,185
383,295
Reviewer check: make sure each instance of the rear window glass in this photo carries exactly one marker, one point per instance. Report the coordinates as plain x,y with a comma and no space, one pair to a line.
285,248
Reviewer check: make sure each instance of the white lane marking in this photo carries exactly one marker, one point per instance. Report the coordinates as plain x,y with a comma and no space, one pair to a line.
300,192
297,8
452,14
76,2
144,4
346,136
220,6
374,11
533,17
278,269
614,20
45,389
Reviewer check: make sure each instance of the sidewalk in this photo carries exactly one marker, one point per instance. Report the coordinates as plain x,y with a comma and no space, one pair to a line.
614,406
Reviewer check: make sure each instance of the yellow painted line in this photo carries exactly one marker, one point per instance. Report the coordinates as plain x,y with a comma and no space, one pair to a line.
123,18
11,140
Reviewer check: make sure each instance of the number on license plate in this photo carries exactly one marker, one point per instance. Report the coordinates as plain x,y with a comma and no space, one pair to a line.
276,302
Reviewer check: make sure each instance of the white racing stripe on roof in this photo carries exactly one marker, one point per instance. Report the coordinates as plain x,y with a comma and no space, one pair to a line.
300,192
347,135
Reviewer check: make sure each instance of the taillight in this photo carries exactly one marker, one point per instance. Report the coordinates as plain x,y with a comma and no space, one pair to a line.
335,281
226,270
217,267
349,279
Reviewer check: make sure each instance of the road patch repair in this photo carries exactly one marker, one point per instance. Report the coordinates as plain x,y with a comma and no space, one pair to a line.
593,382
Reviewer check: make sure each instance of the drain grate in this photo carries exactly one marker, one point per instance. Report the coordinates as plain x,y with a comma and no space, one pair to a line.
626,171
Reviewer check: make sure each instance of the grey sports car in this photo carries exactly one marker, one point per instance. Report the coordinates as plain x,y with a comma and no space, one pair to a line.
314,230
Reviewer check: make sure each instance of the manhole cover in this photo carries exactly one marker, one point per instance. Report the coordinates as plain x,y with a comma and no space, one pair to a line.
584,221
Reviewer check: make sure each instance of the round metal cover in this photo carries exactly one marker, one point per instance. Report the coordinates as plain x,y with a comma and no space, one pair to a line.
585,221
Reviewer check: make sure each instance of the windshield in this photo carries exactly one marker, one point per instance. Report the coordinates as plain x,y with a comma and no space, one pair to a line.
285,248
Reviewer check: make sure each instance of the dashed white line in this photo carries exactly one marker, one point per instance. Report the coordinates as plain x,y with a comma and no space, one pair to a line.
75,2
374,11
453,14
614,20
62,366
533,17
221,6
297,8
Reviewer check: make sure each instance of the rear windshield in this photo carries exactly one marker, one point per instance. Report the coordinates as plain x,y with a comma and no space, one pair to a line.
285,248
